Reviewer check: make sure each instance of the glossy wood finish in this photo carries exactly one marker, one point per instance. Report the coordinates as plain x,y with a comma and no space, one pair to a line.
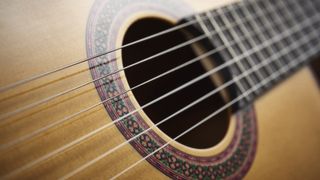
289,127
38,35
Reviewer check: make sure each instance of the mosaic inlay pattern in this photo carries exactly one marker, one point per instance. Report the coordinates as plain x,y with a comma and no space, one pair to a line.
104,22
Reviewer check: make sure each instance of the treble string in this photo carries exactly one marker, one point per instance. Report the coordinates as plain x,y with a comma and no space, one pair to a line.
310,52
153,57
278,37
38,131
32,105
242,96
283,70
37,103
43,129
225,85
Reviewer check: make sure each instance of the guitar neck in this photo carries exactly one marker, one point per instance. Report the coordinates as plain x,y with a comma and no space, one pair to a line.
274,37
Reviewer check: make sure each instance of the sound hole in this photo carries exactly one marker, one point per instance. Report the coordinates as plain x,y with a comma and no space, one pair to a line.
207,134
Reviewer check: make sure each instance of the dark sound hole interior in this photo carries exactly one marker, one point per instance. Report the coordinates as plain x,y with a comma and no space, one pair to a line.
206,135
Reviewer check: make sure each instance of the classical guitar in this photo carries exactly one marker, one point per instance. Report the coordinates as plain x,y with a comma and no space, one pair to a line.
163,89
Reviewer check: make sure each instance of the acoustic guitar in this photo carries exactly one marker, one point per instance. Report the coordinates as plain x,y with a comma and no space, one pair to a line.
159,89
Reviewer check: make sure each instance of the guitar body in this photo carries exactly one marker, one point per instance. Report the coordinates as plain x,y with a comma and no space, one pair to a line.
282,126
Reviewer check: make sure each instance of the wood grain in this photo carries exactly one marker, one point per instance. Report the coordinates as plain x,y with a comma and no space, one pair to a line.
38,35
